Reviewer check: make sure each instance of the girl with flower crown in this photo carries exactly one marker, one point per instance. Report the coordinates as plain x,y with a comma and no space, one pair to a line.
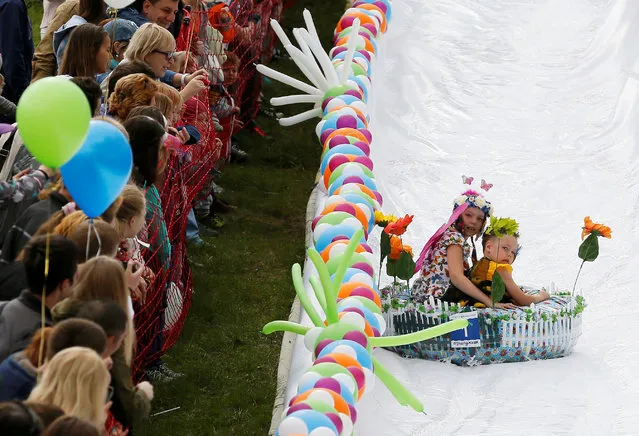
445,257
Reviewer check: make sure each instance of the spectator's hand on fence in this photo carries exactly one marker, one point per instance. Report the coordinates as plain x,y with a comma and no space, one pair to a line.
236,110
193,88
147,388
201,73
134,270
21,174
238,124
183,136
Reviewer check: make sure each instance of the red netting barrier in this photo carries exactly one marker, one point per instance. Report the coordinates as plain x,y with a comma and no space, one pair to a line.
189,173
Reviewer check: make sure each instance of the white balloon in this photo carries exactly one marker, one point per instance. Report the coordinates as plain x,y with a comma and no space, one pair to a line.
354,319
382,323
292,425
347,424
322,397
323,431
345,349
311,337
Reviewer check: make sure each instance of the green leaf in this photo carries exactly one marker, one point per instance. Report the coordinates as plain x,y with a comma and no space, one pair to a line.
497,289
589,248
391,267
384,246
405,266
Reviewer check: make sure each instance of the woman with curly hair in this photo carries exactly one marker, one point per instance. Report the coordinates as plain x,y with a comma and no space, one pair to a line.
131,91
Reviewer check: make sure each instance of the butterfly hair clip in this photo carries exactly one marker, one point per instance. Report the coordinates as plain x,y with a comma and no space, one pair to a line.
485,185
467,180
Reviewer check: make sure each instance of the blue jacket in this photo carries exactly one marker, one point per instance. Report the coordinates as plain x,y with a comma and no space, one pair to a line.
17,378
16,47
132,14
61,36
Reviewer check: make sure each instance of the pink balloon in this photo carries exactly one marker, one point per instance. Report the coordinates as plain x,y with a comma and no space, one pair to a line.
325,134
364,267
330,384
358,375
354,310
347,121
358,337
337,160
353,179
338,140
346,207
296,407
315,221
336,420
366,161
320,346
367,134
364,147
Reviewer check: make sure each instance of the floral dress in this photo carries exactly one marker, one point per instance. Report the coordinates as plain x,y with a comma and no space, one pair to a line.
435,278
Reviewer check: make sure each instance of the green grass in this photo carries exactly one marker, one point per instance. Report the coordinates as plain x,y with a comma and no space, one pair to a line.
244,282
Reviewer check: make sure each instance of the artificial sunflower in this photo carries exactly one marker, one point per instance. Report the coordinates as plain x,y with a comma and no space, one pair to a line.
591,227
398,227
383,220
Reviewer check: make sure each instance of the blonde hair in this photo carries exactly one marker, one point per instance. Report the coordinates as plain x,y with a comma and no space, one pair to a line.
103,239
76,380
131,91
165,105
103,278
133,204
146,39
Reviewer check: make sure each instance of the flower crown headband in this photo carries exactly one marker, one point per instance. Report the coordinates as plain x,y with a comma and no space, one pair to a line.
500,227
474,199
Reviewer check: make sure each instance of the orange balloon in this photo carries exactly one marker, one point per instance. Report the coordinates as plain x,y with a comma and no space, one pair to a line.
346,131
339,403
368,46
359,213
363,19
370,7
368,329
347,288
360,114
326,252
365,189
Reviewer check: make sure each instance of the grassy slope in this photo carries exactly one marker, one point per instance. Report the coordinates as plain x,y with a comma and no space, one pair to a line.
244,282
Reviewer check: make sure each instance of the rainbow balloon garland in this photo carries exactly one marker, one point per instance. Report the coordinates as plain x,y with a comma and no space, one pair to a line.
343,338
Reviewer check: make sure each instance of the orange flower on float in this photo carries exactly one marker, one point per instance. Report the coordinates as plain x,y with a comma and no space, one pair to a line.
399,227
590,227
408,249
396,247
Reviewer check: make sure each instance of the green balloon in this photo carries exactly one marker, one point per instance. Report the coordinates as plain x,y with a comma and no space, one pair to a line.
334,218
53,116
320,406
336,91
329,369
358,70
334,262
370,305
340,170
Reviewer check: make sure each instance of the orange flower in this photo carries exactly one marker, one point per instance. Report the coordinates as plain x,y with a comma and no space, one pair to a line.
396,247
399,227
590,227
408,249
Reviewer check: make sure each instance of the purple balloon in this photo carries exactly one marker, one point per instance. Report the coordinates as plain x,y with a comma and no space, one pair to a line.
354,93
338,140
355,310
353,413
364,267
315,221
299,406
364,147
367,134
336,420
364,160
320,346
337,160
357,336
330,384
325,134
347,121
378,196
353,179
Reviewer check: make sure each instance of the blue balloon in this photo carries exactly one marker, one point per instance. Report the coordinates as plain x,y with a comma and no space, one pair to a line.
346,394
338,182
99,170
325,239
363,356
350,272
312,418
343,149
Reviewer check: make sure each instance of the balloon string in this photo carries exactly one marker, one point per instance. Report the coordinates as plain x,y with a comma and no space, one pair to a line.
43,305
97,236
86,253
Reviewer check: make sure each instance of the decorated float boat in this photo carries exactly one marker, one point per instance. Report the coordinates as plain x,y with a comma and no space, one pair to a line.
546,330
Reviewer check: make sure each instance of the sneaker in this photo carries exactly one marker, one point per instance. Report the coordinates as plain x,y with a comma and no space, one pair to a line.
155,376
213,221
169,373
238,155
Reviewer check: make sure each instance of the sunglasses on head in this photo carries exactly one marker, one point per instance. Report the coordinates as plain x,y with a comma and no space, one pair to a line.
167,54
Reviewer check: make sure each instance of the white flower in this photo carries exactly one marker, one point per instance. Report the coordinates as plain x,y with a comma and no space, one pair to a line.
480,202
